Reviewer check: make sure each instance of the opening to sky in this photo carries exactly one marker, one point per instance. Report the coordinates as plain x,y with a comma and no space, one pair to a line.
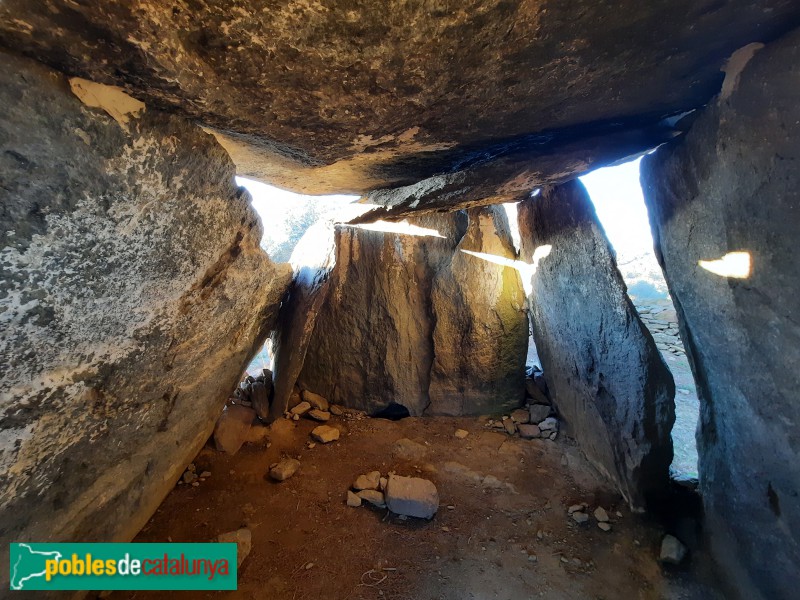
618,200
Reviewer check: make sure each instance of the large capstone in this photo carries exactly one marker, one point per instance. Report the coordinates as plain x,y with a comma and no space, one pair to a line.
605,374
724,205
432,319
133,292
449,105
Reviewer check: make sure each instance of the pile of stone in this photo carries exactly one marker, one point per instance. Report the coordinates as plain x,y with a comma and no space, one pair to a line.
191,477
580,514
255,393
315,407
312,406
663,324
242,422
405,496
536,419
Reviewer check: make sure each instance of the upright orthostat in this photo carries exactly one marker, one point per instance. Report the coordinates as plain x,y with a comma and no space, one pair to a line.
608,380
133,291
725,209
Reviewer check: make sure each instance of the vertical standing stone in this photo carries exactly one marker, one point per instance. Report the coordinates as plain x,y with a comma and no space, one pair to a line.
413,318
725,210
132,292
608,380
299,312
480,338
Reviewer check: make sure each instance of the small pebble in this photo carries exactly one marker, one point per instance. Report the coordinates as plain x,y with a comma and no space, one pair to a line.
580,517
600,514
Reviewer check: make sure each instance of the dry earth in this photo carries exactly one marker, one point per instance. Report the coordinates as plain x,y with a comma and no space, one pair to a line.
480,545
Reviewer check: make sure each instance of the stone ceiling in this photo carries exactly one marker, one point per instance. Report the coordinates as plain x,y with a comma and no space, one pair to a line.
418,105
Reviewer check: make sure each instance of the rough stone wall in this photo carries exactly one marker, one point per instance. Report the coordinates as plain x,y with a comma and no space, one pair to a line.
733,185
412,320
132,293
480,337
607,379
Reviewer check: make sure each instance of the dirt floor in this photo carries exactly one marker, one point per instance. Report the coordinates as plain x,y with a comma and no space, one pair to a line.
505,538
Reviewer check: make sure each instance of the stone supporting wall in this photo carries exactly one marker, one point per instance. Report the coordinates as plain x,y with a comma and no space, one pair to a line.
415,319
607,379
725,211
132,293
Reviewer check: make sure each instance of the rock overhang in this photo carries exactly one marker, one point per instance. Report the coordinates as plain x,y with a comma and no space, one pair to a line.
417,108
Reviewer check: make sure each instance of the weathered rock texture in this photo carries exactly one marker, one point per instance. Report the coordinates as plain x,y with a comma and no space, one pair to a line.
732,185
314,257
360,96
604,372
132,293
415,320
480,334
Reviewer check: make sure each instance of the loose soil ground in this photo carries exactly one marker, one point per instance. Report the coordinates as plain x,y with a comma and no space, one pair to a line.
480,545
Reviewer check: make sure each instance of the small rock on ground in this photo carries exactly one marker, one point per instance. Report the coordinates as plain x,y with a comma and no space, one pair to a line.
412,496
549,424
353,499
336,411
370,481
284,469
315,400
461,433
243,539
325,434
300,409
521,416
319,415
604,526
509,426
580,517
529,432
672,550
374,497
600,514
538,412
